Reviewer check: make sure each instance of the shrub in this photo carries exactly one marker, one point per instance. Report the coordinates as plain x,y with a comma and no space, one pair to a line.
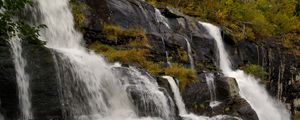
78,10
185,75
255,70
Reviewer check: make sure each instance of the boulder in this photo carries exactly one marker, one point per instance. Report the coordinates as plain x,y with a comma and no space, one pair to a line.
226,88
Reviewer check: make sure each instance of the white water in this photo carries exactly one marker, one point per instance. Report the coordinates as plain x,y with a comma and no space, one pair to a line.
264,105
189,50
166,52
22,78
160,19
210,80
177,96
181,106
106,97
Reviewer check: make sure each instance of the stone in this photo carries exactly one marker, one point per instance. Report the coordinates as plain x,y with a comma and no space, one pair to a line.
226,88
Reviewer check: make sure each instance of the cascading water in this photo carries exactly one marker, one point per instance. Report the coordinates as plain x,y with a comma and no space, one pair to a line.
160,19
90,89
166,51
264,105
210,80
181,106
151,98
22,78
177,96
189,50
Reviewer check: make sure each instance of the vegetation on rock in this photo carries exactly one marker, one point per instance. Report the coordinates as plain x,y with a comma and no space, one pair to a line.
78,10
131,47
12,26
246,19
256,71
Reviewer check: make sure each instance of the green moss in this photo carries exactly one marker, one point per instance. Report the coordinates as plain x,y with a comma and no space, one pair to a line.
183,55
78,10
185,75
135,36
256,71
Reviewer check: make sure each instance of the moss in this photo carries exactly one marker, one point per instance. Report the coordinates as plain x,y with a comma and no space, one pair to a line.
185,75
183,55
133,48
78,10
290,41
133,37
256,71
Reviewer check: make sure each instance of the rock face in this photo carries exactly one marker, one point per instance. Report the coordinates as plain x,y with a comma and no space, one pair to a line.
9,101
197,99
282,66
45,86
174,27
167,29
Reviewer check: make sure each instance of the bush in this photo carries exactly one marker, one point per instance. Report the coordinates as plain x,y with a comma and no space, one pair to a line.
185,75
255,70
78,10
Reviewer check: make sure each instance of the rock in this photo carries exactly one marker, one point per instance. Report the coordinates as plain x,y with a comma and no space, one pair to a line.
243,109
226,88
9,99
172,13
44,83
196,98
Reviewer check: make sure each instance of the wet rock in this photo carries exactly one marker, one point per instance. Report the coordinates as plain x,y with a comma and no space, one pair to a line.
44,84
9,100
226,88
172,13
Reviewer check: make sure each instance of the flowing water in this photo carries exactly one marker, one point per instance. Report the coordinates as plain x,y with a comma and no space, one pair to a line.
90,89
160,19
181,106
166,51
189,50
210,80
177,96
22,78
264,105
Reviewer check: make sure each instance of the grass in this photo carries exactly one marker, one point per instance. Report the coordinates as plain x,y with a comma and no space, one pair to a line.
256,71
78,9
133,48
185,75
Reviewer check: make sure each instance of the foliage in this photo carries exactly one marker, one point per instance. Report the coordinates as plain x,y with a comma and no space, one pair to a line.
135,36
185,75
133,48
183,55
78,10
243,19
255,70
12,26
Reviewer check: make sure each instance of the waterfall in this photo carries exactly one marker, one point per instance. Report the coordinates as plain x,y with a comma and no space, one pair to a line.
160,19
210,80
264,105
181,106
189,50
90,89
22,78
177,96
166,51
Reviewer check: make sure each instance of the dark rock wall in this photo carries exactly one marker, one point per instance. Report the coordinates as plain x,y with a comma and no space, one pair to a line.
44,85
9,101
282,67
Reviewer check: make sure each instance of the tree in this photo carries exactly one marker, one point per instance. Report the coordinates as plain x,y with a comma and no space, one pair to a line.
11,25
